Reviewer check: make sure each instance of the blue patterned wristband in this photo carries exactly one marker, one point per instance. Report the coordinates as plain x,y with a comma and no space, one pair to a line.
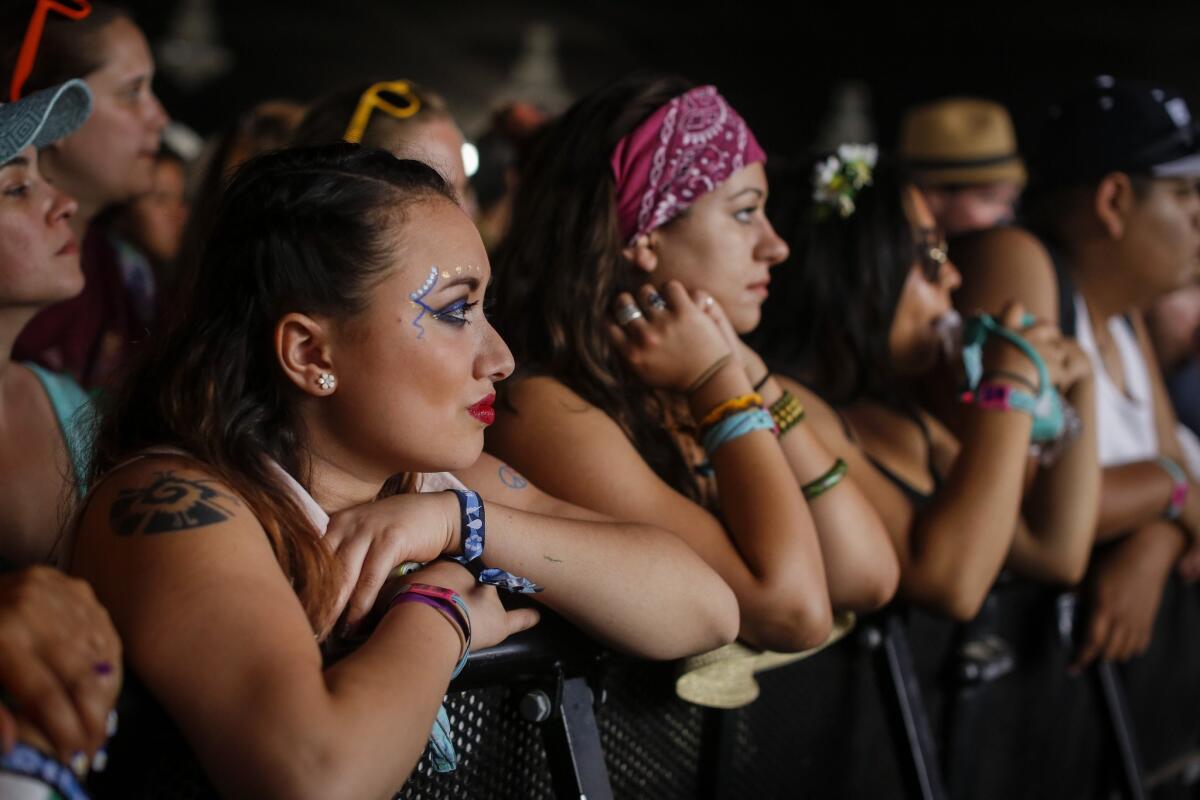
24,760
474,533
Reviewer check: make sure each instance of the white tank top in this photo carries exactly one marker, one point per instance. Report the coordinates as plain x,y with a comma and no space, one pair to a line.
426,482
1125,420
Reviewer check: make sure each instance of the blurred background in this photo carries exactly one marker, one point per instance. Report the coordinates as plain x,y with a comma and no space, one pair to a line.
802,74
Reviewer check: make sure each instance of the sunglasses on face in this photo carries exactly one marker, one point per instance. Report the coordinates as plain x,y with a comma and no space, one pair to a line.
76,10
930,251
394,98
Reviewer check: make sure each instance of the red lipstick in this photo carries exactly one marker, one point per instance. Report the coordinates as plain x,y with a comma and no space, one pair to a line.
483,410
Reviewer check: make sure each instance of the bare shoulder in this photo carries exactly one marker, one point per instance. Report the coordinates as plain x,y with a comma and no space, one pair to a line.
573,450
164,534
1005,265
161,495
542,393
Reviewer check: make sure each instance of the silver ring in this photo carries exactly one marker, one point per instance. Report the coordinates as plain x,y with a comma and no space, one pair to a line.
655,300
627,314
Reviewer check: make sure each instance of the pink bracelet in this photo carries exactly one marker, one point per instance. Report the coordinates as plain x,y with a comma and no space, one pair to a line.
447,603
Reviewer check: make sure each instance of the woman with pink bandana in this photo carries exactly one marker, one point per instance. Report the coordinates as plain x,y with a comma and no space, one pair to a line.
639,237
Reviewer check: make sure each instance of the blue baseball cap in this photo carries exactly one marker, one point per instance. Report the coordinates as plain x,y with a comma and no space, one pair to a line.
43,117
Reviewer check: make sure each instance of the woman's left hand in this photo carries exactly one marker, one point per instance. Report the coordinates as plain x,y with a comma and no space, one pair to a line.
371,540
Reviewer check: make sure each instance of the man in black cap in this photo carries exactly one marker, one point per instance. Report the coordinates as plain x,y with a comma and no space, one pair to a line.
1113,218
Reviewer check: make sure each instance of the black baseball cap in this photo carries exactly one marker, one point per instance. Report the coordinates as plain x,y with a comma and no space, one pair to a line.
1114,125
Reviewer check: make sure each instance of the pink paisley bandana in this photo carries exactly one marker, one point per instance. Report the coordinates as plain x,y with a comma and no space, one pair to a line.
683,151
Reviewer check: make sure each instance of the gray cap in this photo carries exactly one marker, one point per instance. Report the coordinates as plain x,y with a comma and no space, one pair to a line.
43,117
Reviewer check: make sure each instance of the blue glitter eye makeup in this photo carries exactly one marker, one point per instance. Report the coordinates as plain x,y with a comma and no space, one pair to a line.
455,313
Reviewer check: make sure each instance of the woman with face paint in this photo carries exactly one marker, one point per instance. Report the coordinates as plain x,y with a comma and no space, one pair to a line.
333,361
110,159
859,322
639,249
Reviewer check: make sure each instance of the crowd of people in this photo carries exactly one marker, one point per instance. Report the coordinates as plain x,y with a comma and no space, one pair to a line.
272,463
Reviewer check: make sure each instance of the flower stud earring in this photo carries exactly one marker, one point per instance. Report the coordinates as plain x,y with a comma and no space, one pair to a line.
326,381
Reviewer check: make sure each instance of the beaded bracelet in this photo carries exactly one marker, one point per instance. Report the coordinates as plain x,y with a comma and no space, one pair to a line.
822,484
474,533
735,426
729,407
787,412
1179,491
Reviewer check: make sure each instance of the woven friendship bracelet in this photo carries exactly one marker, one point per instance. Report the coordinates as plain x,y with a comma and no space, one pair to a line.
735,426
450,605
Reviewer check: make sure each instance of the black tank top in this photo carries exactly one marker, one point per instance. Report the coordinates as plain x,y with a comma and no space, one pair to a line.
917,498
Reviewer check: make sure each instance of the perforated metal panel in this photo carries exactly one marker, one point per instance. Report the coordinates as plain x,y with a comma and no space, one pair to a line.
500,755
651,738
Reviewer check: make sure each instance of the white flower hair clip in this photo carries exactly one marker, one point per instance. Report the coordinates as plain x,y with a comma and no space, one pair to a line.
838,179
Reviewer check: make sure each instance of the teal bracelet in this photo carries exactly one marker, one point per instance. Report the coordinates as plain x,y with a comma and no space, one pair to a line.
1179,488
822,484
735,426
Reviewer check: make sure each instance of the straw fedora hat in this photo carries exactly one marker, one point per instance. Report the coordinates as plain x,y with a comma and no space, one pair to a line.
960,140
724,678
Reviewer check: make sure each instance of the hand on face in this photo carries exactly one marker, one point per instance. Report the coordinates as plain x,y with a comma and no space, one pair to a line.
672,341
60,662
743,354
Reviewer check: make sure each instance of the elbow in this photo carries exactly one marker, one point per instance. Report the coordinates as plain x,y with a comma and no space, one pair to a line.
871,590
797,624
711,621
950,595
724,619
959,602
1067,570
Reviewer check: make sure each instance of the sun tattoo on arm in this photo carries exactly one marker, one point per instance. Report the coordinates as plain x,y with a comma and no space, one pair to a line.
169,503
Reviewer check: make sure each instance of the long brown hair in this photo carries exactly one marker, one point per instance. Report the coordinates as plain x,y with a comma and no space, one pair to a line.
561,265
307,230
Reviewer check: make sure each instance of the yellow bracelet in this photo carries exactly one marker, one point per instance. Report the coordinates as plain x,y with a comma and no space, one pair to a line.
787,412
731,406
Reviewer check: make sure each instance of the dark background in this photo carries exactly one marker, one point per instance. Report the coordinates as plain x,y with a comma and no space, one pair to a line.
777,63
